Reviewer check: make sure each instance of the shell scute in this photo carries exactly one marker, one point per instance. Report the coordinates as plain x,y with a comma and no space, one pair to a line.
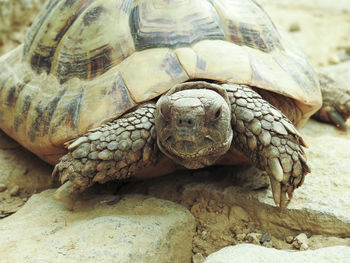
153,26
158,70
247,24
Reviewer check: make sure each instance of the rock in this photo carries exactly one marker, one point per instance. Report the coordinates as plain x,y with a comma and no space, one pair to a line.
241,237
237,213
136,229
304,247
14,191
301,242
344,54
268,244
254,238
198,258
3,188
319,206
326,5
15,18
294,27
340,72
223,202
334,59
21,169
289,239
265,238
256,254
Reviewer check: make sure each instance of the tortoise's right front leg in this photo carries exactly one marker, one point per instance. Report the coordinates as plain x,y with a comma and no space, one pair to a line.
113,151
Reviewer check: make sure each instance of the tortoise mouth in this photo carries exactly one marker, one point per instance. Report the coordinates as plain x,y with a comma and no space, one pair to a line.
188,154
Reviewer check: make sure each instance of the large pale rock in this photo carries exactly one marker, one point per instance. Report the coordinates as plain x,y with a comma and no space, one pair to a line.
15,18
327,5
22,168
19,12
136,229
256,254
21,175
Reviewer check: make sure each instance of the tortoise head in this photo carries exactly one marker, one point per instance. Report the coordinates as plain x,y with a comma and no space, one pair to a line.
193,123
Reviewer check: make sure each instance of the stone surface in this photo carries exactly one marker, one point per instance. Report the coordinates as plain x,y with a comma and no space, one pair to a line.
136,229
329,5
20,170
340,72
255,254
324,25
15,18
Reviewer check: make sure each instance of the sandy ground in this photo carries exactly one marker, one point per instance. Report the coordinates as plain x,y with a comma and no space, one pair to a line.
321,28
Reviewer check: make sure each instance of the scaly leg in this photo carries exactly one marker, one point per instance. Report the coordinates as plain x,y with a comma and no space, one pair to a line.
269,140
113,151
336,103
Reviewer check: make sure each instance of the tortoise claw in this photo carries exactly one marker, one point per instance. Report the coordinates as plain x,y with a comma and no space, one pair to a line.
284,201
276,190
65,193
276,169
337,119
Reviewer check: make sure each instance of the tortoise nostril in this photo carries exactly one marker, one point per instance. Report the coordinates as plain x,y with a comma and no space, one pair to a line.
185,122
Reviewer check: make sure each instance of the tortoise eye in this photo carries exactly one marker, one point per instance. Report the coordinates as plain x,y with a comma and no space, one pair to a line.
217,114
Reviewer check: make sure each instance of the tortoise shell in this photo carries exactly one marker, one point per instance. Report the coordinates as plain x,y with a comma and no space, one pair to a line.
88,61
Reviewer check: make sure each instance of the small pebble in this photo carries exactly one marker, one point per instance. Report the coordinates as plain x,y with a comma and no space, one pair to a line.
3,188
344,55
304,247
294,27
289,239
241,237
265,238
14,191
267,244
334,59
198,258
296,244
301,242
254,238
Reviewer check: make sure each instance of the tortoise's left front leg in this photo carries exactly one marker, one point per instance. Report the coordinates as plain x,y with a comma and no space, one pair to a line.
269,140
335,103
113,151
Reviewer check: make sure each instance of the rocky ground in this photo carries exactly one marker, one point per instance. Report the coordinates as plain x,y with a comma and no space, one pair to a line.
15,17
224,206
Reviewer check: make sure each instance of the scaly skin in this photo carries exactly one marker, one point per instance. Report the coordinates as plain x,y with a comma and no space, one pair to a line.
269,140
336,103
114,151
194,124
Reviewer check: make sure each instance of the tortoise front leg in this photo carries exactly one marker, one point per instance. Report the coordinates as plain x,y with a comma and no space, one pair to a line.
113,151
335,103
269,140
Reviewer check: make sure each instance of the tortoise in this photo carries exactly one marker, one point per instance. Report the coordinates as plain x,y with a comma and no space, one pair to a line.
117,89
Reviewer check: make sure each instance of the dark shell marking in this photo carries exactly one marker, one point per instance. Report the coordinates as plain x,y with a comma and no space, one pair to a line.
151,30
150,27
42,55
